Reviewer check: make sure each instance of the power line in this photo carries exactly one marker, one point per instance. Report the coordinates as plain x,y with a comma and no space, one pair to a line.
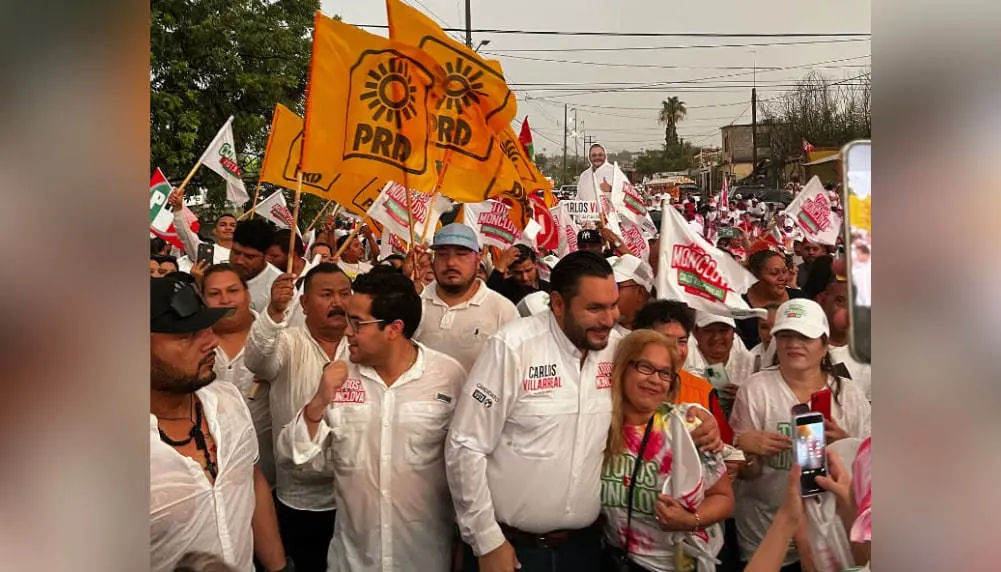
688,47
659,66
651,34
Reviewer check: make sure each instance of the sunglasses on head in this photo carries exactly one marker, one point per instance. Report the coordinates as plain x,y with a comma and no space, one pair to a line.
185,302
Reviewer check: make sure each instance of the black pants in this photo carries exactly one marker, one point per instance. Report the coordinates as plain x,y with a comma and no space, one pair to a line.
580,553
306,535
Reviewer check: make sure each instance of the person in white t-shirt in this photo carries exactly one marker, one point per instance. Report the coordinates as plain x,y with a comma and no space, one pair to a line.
715,353
459,312
351,258
762,418
251,241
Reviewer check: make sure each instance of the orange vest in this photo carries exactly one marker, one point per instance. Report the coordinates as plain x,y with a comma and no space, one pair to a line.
694,389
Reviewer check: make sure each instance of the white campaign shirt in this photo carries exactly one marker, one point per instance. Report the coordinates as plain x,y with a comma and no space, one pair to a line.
526,443
260,288
861,372
763,403
187,512
462,330
353,270
293,362
394,511
234,370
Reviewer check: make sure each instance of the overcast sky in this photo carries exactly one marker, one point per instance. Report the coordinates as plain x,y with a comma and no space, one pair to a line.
618,119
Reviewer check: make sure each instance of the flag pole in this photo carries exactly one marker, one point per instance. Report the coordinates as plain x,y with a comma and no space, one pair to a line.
319,214
295,221
257,192
347,241
437,185
184,183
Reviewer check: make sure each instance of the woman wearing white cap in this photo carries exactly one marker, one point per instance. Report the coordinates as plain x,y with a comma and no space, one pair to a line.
762,417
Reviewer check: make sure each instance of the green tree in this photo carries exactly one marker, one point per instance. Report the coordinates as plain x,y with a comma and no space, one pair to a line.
672,111
210,59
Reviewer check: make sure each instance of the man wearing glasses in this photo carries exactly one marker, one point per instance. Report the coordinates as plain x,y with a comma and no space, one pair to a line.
207,491
383,418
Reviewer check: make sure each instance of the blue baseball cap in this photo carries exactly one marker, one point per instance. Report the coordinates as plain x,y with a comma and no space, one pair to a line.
456,234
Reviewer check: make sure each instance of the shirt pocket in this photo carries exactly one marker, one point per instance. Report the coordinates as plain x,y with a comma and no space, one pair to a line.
537,425
348,425
424,425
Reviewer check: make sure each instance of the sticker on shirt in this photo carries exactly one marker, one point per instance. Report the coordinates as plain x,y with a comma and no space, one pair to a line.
542,380
351,392
486,397
443,398
604,377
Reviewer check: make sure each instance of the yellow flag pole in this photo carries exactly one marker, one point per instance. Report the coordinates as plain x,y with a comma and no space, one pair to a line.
319,214
295,222
257,193
184,183
347,241
434,194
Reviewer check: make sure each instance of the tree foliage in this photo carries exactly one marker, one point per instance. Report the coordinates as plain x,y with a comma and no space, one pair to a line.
210,59
825,112
672,111
677,157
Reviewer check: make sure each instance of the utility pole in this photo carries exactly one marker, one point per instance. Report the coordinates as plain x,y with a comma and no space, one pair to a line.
566,113
754,119
469,27
576,141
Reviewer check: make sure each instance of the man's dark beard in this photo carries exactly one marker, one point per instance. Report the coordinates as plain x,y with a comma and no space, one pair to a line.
457,289
578,335
166,378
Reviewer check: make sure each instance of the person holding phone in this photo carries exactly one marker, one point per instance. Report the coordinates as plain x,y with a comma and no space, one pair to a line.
762,420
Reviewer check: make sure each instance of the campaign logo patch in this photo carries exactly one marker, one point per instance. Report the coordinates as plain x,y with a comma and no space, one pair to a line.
351,392
484,396
541,379
603,380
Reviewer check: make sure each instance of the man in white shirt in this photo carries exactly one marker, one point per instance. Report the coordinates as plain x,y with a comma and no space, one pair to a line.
384,417
834,301
525,448
595,183
350,259
292,358
634,278
459,312
223,287
222,231
251,241
207,493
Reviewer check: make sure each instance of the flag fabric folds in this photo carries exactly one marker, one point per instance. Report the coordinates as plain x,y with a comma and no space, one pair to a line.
811,210
220,156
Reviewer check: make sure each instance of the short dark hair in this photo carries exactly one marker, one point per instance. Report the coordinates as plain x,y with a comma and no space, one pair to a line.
225,215
524,253
393,297
156,245
343,239
387,260
161,258
255,233
566,275
282,236
665,312
821,274
321,268
183,277
219,268
315,244
756,262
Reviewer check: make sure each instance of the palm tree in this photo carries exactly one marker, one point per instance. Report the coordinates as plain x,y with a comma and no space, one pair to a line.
671,113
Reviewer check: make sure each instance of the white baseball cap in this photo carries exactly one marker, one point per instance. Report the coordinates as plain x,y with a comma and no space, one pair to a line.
534,303
703,319
803,316
629,267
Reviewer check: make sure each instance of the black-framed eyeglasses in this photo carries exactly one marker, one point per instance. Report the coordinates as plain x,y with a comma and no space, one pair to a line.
184,302
355,323
646,368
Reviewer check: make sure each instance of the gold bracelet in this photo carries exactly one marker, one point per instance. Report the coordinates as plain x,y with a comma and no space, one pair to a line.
698,522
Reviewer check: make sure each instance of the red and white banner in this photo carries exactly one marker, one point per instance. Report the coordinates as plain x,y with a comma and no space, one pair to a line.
161,219
390,210
567,229
492,222
811,211
275,209
220,156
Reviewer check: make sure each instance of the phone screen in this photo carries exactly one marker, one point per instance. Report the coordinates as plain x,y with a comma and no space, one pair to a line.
810,452
858,244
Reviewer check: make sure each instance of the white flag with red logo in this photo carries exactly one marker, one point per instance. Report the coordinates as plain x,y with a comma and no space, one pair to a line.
811,211
161,219
628,203
492,222
392,244
275,209
221,158
390,210
567,228
702,276
632,235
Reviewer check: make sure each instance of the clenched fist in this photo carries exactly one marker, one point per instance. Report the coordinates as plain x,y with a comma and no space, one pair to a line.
335,374
282,291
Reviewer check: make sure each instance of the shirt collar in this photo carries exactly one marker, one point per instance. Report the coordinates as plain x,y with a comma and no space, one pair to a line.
415,371
431,293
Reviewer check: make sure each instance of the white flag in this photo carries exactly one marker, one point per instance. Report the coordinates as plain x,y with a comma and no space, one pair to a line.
702,276
629,204
492,222
392,244
568,229
632,235
390,210
221,158
811,210
275,209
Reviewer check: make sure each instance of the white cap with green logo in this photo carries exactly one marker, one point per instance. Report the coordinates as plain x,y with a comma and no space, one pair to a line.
801,315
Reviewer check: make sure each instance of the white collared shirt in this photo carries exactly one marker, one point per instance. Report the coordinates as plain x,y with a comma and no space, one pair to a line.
189,513
292,361
525,447
235,371
394,510
461,331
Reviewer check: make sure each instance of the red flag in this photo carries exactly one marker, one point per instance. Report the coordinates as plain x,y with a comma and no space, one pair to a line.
159,190
807,146
724,195
526,139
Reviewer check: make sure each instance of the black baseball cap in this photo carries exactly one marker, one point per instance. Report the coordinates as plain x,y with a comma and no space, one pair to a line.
589,236
175,307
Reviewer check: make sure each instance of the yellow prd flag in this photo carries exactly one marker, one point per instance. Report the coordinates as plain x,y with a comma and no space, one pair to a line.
367,107
471,82
281,161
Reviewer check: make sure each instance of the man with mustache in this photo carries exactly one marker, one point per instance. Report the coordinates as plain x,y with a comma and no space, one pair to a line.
595,183
525,448
459,312
207,492
383,417
223,287
292,358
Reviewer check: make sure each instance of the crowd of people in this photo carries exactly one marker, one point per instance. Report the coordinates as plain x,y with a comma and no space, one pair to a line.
461,409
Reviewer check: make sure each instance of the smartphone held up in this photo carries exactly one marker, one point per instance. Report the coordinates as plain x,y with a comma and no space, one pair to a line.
811,451
857,183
